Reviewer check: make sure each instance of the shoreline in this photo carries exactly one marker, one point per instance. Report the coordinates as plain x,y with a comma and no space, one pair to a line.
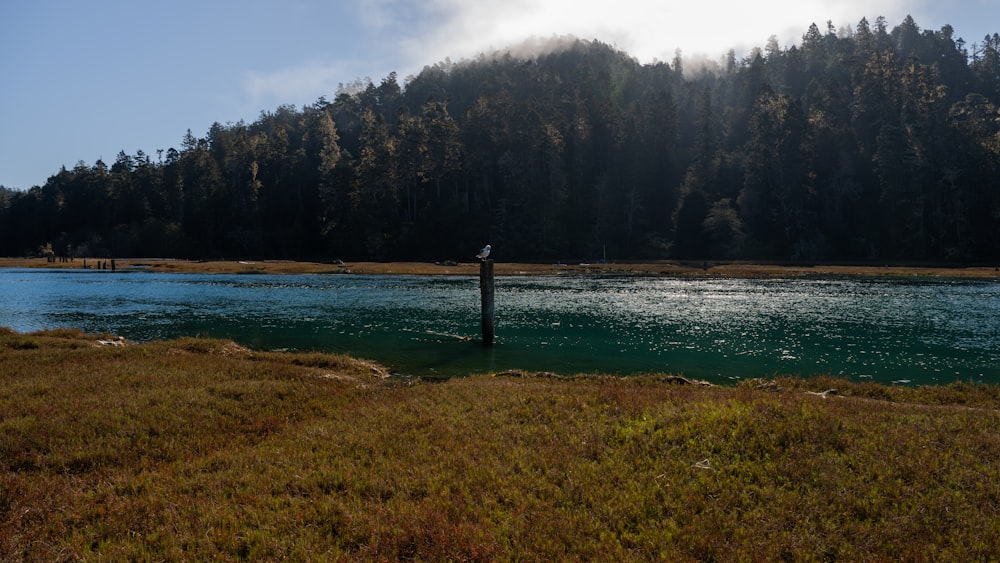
646,268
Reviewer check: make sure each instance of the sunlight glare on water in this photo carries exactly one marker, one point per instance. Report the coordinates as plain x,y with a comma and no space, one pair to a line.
925,331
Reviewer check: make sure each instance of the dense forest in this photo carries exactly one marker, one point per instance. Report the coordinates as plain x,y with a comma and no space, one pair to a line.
862,143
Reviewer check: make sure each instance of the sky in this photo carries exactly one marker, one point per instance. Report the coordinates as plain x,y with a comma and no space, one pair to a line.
81,81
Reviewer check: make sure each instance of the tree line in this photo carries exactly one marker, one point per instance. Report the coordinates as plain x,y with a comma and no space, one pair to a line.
856,144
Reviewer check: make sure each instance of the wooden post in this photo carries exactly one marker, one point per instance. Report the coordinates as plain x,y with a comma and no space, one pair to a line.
486,290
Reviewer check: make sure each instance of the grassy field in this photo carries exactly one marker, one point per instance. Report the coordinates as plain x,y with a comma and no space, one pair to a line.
202,449
651,268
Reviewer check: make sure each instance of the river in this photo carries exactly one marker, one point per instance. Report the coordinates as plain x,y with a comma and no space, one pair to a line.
917,331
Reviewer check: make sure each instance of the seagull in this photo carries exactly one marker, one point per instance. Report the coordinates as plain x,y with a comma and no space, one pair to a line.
484,252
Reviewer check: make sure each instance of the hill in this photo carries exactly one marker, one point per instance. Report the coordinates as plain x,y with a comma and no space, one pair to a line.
876,144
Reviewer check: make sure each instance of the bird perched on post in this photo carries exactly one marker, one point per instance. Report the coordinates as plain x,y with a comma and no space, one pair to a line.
484,252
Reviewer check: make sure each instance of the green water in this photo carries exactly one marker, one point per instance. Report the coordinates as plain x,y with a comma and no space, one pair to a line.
921,332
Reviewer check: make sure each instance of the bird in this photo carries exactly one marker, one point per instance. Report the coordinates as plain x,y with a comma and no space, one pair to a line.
484,252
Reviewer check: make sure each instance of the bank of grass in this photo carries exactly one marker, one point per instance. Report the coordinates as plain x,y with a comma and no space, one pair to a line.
470,267
201,449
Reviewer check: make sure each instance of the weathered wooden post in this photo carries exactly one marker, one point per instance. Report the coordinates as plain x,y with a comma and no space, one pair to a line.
486,291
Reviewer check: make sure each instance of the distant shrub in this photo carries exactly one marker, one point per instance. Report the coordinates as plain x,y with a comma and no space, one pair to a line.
208,346
70,333
22,344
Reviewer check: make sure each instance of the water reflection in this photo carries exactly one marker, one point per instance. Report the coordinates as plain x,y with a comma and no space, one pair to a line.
927,331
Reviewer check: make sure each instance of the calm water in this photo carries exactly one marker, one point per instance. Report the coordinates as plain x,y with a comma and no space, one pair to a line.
929,331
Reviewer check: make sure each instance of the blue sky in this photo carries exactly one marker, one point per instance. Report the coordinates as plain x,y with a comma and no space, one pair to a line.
81,81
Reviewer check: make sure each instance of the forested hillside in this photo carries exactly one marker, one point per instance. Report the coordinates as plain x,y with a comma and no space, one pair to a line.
866,143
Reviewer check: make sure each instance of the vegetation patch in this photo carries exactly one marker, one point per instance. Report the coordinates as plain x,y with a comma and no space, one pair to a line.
139,452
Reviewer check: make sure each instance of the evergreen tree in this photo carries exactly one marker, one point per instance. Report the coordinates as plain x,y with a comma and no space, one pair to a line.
871,143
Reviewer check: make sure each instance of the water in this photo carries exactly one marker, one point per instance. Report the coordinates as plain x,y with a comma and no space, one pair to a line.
921,332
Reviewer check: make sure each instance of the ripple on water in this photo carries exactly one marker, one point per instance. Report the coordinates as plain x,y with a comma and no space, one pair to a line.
889,331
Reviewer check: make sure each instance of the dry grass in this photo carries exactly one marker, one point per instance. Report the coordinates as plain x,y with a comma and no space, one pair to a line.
201,449
653,268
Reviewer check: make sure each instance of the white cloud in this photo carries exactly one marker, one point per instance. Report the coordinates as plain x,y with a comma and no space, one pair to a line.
405,35
646,29
266,89
376,14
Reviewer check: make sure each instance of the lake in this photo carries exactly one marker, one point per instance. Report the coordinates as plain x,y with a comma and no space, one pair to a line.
924,331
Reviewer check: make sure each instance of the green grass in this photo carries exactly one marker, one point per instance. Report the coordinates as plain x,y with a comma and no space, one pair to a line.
201,449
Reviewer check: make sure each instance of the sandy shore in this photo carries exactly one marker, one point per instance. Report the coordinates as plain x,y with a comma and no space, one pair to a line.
655,268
